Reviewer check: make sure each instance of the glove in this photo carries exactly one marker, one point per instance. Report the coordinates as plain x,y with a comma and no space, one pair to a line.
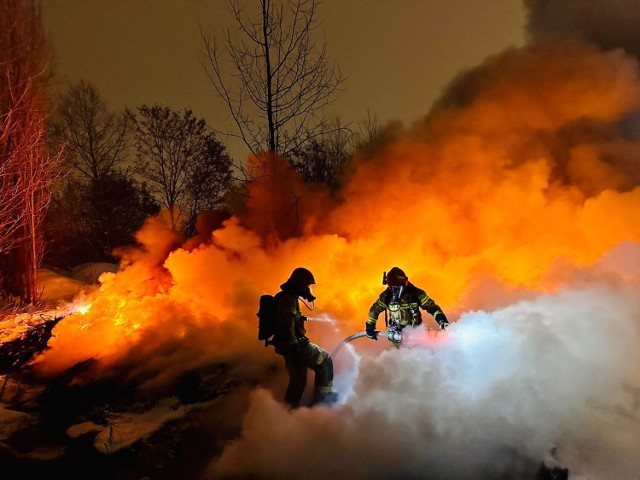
442,320
371,331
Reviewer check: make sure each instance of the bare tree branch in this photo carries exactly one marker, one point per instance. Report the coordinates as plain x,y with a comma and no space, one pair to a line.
186,166
27,171
96,139
275,80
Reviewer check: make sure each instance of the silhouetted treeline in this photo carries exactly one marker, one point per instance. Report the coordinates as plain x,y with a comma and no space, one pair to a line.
121,168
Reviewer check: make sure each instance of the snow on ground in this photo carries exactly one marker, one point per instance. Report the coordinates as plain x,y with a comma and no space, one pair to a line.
89,273
126,428
11,420
55,288
56,291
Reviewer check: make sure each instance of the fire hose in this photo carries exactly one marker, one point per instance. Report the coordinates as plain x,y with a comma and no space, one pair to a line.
355,336
394,335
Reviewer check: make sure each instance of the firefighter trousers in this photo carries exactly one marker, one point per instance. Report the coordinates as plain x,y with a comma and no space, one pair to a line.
297,363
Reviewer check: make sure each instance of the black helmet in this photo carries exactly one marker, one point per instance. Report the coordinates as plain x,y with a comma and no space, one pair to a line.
301,277
396,277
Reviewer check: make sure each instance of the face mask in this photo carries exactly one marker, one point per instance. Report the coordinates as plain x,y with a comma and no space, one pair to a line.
396,292
307,295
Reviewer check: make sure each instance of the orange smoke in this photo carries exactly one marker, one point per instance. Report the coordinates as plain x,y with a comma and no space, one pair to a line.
521,168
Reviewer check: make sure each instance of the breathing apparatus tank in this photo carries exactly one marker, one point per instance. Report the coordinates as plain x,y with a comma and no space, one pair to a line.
394,327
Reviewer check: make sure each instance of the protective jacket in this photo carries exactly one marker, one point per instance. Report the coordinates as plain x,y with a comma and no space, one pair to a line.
290,331
410,302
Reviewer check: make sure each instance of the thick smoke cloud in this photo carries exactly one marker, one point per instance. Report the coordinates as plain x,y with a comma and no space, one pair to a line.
610,24
498,188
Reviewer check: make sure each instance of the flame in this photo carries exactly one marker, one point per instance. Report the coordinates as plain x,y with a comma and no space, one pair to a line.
507,191
83,309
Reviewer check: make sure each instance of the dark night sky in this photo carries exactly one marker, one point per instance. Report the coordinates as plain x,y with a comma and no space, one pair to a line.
397,55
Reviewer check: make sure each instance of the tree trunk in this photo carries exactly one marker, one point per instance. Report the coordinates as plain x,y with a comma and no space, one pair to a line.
24,63
269,75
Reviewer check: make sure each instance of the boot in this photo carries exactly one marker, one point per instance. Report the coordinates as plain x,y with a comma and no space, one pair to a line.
327,398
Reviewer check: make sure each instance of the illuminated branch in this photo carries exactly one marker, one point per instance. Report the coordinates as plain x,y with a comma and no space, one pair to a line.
26,170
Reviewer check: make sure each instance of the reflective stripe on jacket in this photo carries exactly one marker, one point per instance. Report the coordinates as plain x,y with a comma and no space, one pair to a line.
413,298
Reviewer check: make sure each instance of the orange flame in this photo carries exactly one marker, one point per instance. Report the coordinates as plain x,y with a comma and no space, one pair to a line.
527,176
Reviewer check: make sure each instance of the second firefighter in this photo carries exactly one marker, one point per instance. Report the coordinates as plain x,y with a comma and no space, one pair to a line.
402,300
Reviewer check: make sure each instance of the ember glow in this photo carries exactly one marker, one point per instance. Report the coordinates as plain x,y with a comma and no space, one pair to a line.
83,309
518,188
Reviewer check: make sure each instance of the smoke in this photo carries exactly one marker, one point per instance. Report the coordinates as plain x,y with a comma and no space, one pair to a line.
528,171
555,379
515,203
611,24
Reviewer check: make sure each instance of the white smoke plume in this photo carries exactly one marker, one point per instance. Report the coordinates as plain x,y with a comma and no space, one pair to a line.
553,379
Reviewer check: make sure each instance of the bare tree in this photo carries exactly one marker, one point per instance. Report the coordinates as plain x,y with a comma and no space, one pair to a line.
278,78
322,159
89,221
210,181
27,170
11,200
99,206
95,138
368,130
185,166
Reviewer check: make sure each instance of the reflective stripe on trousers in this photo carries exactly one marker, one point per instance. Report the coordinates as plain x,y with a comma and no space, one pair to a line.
308,357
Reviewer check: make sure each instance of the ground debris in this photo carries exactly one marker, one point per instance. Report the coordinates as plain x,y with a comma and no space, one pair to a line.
17,352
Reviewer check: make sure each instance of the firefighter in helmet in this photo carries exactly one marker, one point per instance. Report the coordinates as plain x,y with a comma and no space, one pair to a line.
403,301
291,342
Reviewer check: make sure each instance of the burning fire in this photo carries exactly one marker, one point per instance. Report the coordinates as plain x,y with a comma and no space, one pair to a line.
82,309
517,189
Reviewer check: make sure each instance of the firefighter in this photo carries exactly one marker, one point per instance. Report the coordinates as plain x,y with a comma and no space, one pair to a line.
403,301
291,342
